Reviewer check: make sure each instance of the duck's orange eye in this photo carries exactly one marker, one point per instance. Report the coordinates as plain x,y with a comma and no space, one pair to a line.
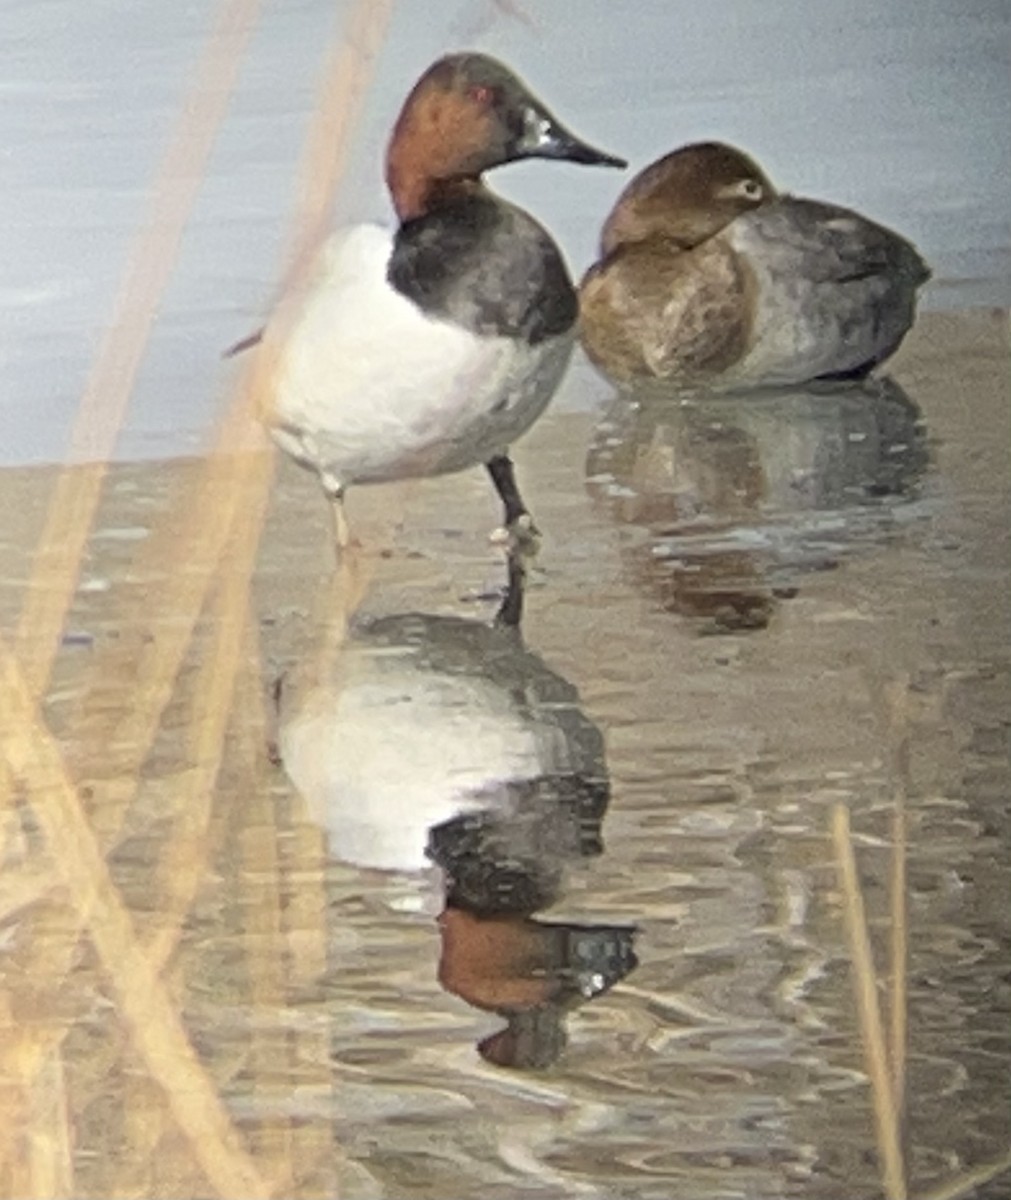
481,93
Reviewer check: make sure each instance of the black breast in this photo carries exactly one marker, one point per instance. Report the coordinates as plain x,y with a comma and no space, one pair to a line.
487,266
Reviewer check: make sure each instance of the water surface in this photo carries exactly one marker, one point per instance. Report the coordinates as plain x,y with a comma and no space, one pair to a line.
654,945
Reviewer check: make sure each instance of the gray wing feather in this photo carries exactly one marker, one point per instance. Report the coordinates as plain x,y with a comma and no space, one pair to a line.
834,244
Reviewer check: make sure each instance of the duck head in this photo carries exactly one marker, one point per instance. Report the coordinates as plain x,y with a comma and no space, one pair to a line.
686,197
467,114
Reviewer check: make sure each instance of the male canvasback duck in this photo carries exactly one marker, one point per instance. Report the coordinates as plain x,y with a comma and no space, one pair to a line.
709,277
429,348
421,719
439,742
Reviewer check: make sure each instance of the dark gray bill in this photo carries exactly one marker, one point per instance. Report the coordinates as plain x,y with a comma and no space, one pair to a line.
544,137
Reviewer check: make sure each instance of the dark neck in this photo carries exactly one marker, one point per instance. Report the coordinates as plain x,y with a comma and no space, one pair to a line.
416,193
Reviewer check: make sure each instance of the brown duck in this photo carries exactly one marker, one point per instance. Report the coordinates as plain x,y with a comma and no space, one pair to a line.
710,277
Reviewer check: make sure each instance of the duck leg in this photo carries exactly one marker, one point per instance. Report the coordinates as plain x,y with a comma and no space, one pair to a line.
341,530
510,611
518,521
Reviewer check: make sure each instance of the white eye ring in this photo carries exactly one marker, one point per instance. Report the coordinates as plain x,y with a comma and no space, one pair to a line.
750,189
742,189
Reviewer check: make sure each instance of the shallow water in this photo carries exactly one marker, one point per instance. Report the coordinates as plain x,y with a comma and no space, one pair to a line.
578,931
723,596
901,111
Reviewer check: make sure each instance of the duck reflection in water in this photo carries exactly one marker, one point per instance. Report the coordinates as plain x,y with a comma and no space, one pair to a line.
440,739
738,496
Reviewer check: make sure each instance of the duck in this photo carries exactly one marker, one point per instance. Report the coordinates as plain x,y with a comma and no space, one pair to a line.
422,719
441,748
710,278
430,347
729,503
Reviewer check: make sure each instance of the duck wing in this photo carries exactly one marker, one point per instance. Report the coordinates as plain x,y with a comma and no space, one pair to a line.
827,243
847,283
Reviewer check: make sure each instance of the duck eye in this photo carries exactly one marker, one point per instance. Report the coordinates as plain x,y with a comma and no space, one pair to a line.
750,189
481,93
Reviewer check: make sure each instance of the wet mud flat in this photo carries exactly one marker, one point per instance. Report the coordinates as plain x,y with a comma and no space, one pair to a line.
725,595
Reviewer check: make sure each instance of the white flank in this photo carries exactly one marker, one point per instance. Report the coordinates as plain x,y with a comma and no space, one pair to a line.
369,388
380,757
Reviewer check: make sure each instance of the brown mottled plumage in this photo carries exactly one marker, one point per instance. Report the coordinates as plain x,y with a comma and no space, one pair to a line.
708,276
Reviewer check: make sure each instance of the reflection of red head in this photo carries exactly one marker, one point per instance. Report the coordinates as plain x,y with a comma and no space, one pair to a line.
533,1039
532,973
500,964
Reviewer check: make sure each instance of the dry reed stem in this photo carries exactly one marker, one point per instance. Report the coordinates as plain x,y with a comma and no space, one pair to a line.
227,478
866,989
141,720
176,566
305,926
305,854
50,1159
259,885
346,78
334,604
144,1005
897,698
152,1021
150,263
183,861
967,1184
22,887
183,864
14,1174
345,82
211,513
302,863
263,945
56,565
512,9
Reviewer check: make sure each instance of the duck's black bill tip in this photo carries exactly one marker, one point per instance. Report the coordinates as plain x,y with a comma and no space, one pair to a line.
595,158
545,137
561,144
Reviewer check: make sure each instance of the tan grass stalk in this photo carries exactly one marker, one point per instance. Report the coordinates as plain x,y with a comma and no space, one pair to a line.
262,942
232,487
150,1016
346,78
145,672
183,861
866,989
248,476
71,511
14,1173
231,483
259,882
50,1161
897,697
20,888
966,1185
150,263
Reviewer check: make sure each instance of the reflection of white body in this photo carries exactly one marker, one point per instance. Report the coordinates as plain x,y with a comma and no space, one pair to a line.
407,735
368,388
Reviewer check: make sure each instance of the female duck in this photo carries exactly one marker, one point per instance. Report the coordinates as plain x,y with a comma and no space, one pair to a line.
431,348
709,277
